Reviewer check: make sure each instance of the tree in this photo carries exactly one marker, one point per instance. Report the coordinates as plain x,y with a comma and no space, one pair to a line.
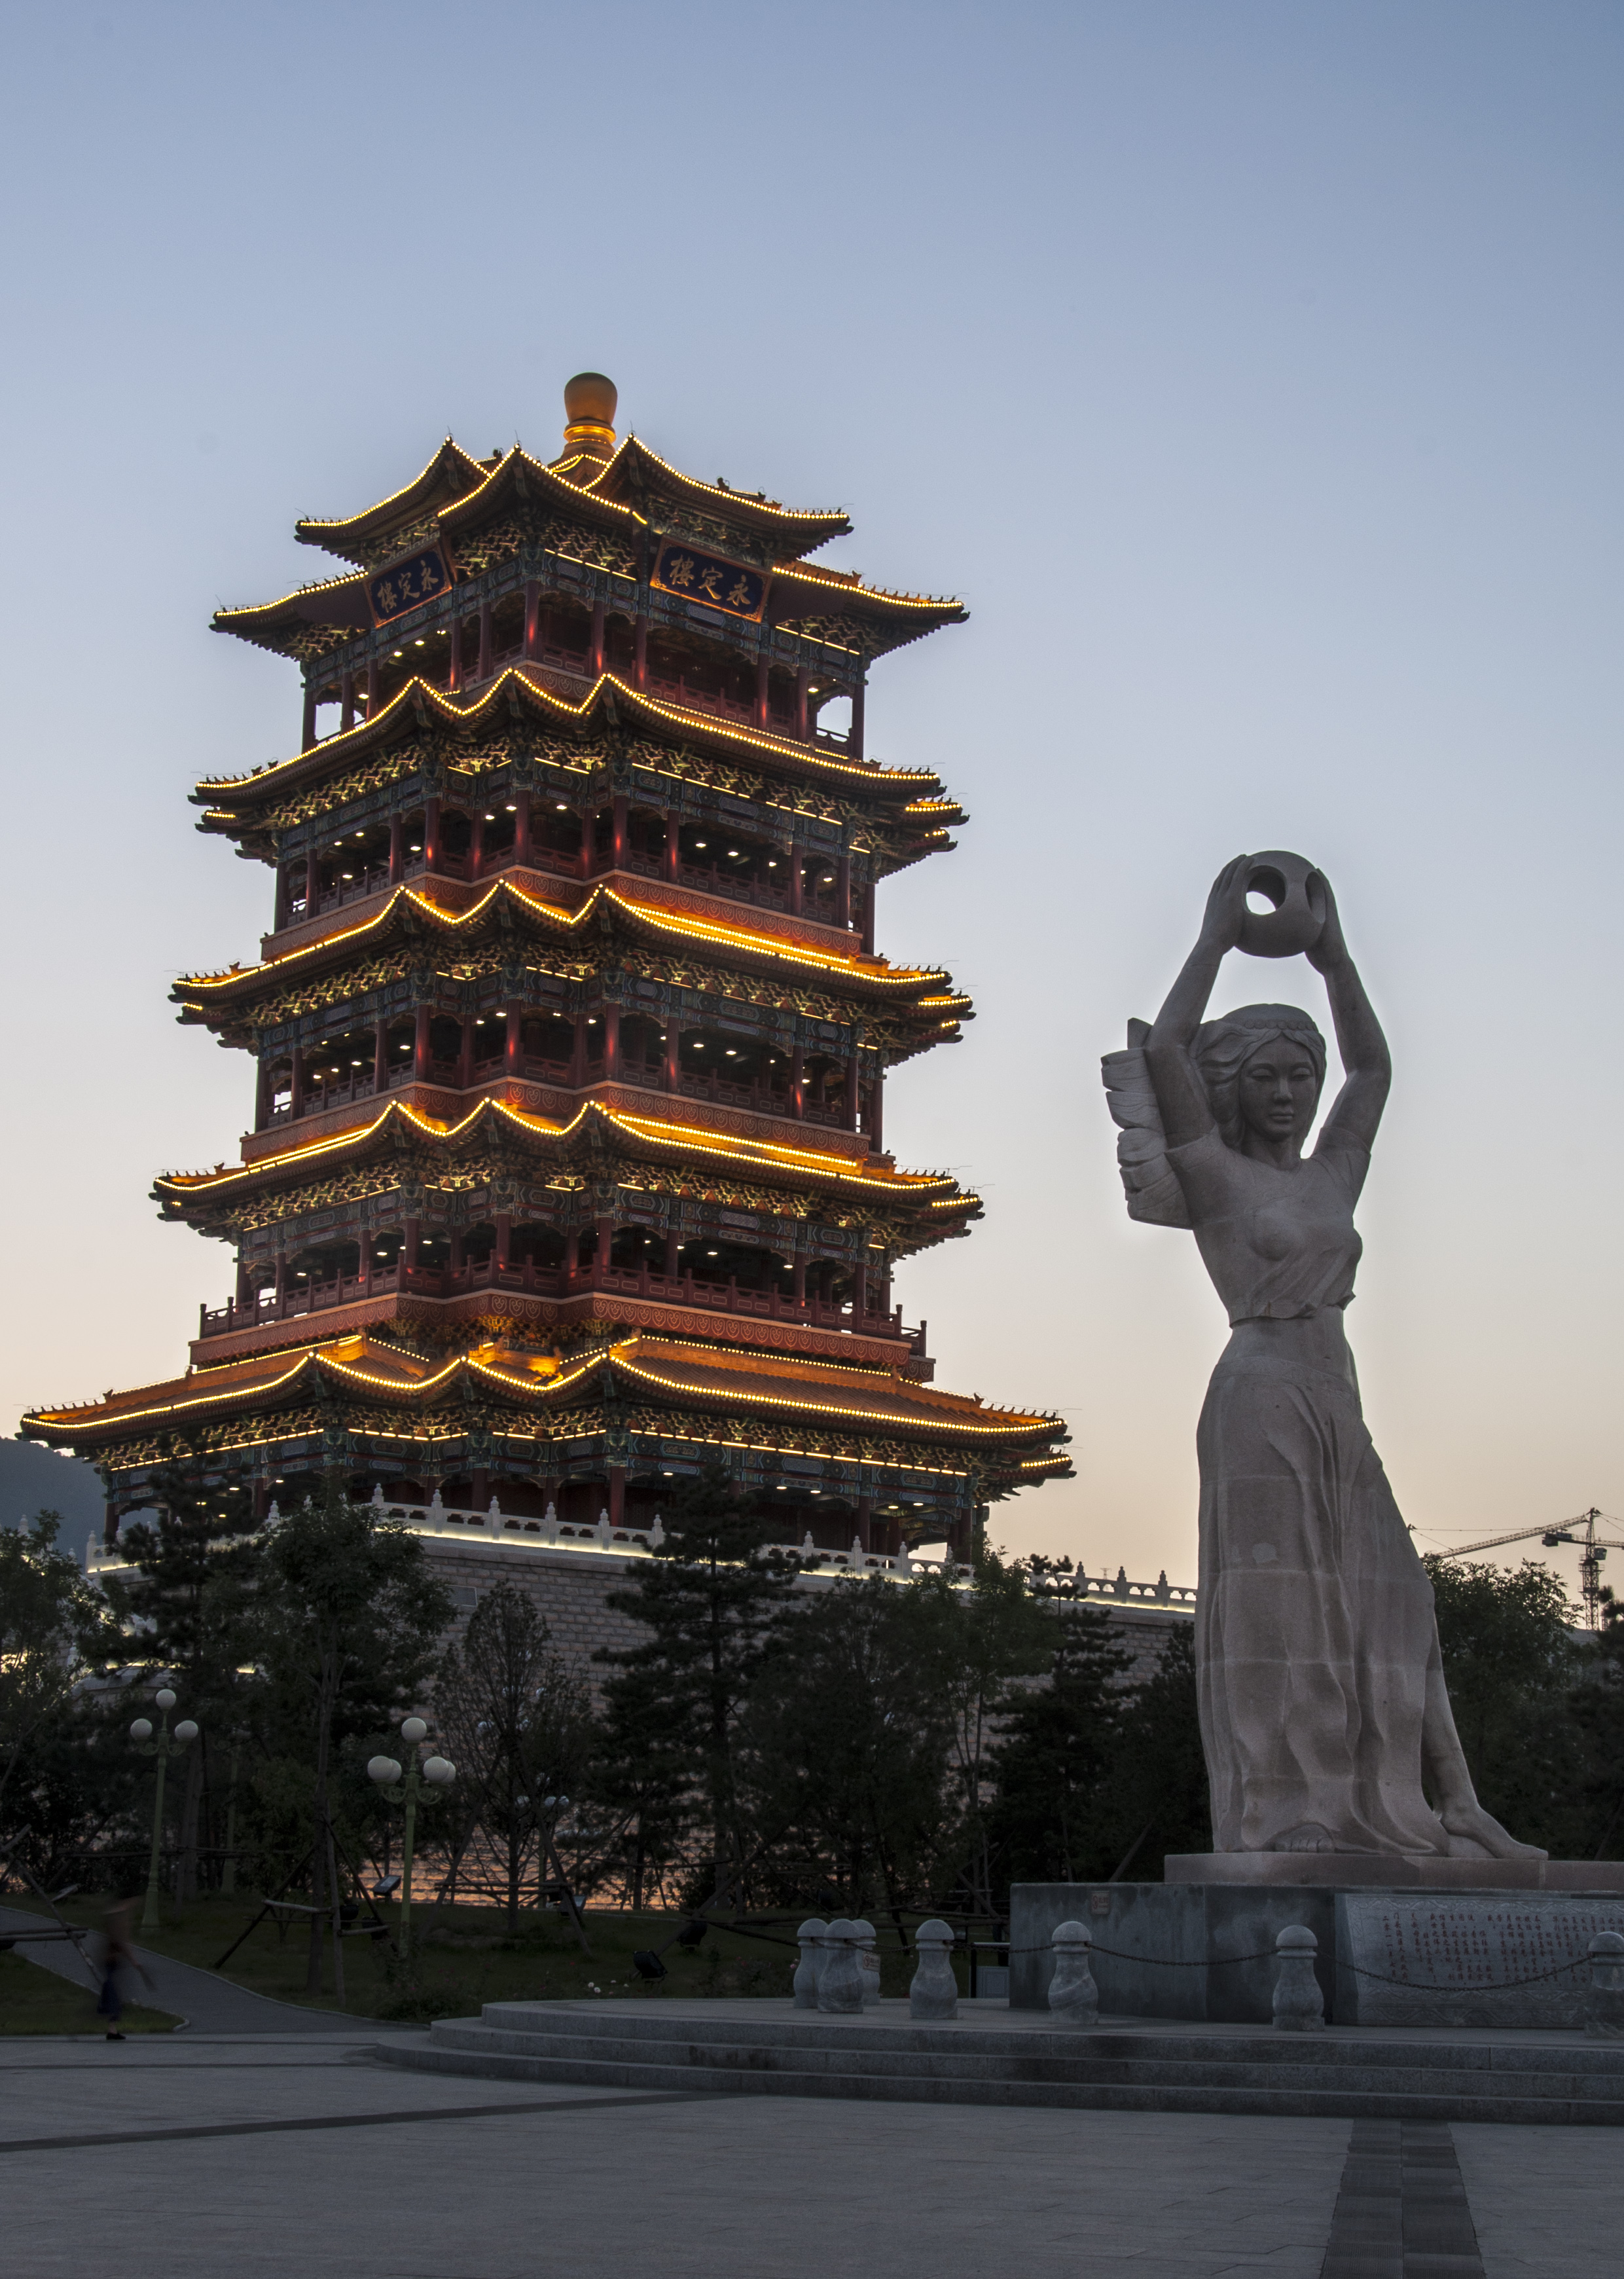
971,1645
191,1569
1510,1662
1158,1794
847,1748
1053,1820
518,1720
1596,1706
57,1786
709,1599
350,1624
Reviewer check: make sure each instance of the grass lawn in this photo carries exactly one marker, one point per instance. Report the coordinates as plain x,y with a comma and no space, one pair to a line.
463,1957
33,2000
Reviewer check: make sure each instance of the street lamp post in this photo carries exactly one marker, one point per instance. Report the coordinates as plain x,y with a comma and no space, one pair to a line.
166,1745
439,1772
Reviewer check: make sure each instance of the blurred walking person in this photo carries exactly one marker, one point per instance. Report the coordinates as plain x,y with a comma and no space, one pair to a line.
115,1955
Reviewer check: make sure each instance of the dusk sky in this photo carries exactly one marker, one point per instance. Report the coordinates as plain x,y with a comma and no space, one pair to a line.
1251,371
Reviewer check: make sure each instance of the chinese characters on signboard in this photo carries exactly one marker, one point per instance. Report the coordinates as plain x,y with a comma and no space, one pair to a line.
403,585
715,583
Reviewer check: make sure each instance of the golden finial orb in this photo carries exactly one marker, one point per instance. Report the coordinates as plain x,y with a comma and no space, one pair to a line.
589,413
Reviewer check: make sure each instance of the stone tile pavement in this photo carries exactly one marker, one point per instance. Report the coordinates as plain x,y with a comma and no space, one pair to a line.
264,2154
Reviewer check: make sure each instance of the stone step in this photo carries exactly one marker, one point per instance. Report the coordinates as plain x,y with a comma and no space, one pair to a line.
620,2022
1191,2095
800,2055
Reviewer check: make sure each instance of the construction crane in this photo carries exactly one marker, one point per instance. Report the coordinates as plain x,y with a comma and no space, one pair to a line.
1595,1550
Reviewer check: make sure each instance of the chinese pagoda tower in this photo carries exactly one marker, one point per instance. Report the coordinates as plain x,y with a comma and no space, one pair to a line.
570,1036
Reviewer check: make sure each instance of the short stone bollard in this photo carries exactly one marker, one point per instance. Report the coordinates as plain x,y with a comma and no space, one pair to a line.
1074,1998
1605,2020
1299,2006
805,1981
840,1988
934,1992
868,1963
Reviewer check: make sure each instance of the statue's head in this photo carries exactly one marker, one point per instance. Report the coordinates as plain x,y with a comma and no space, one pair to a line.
1264,1068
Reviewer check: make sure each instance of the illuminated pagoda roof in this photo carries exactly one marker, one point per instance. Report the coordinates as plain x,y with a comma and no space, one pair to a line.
376,532
235,805
657,1371
597,1134
505,911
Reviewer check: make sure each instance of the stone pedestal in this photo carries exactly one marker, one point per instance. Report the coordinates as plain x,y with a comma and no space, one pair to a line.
1393,1871
1205,1952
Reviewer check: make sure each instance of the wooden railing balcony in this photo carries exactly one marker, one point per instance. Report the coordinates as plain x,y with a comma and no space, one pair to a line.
760,1095
687,1289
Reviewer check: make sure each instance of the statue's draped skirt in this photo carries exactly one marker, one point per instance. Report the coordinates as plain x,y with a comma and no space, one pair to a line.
1315,1629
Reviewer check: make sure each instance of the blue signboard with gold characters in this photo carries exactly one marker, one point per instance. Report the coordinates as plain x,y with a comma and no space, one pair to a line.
706,579
404,584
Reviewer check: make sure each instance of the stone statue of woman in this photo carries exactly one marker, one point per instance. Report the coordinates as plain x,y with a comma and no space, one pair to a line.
1324,1715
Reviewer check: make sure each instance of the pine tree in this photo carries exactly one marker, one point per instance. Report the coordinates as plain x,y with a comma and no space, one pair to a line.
1052,1820
710,1599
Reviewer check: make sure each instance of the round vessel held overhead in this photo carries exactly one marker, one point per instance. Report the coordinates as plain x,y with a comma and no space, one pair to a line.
1291,925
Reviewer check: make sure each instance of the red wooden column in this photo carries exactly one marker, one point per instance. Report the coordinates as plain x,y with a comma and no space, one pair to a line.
346,700
281,1284
868,919
875,1122
798,1083
618,1495
859,1290
465,1052
803,715
670,864
673,1055
595,660
421,1046
572,1254
262,1095
852,1069
371,689
600,1256
865,1510
410,1243
431,834
842,890
611,1043
380,1057
309,730
673,1259
798,1281
762,691
312,883
485,641
532,616
521,826
513,1049
796,883
476,845
620,836
577,1053
296,1083
853,742
504,1237
639,664
454,667
397,849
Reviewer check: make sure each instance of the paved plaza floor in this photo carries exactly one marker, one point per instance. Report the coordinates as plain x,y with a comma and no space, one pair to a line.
210,2154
